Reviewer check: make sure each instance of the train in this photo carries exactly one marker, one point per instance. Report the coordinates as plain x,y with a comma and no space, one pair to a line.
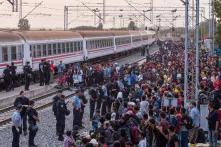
67,46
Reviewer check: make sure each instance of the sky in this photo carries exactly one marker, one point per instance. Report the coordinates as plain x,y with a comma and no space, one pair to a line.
50,14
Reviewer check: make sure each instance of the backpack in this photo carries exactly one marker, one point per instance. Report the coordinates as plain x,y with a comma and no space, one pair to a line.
134,131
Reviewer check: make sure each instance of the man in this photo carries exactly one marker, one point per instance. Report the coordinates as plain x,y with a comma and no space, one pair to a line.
24,101
54,107
93,98
76,101
16,126
32,120
27,72
7,78
47,72
213,124
61,68
60,116
13,75
195,115
41,72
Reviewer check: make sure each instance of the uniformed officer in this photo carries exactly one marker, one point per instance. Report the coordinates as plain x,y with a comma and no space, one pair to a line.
61,112
13,75
93,98
47,72
24,101
32,120
41,72
7,78
27,72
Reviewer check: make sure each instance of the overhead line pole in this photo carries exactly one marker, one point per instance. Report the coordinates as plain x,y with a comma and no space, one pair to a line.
197,50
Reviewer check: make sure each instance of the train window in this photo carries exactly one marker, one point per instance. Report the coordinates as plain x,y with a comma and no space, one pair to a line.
67,47
44,50
49,49
33,51
13,53
71,47
38,50
81,45
4,54
54,48
20,52
75,46
63,47
59,48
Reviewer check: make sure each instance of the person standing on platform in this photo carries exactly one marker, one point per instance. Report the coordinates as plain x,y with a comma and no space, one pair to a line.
52,71
41,73
16,125
27,72
195,115
76,101
62,111
7,78
24,102
13,75
32,120
93,98
47,72
61,68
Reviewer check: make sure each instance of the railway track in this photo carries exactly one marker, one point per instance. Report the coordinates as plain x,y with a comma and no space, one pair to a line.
5,119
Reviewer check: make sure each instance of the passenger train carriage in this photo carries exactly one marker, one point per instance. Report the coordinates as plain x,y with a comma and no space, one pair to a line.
68,46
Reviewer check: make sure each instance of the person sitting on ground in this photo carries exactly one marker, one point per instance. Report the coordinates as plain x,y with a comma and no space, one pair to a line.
69,140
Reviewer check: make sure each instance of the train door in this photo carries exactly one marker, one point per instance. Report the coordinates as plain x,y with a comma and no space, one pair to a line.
27,54
85,53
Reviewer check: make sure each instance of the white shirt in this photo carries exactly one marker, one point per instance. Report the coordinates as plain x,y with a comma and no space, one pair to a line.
142,143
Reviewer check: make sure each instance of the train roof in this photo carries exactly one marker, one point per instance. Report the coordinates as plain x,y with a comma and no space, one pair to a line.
88,34
49,35
8,37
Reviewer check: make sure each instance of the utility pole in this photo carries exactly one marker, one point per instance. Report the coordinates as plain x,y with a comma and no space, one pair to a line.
213,26
20,11
65,18
104,9
186,3
197,50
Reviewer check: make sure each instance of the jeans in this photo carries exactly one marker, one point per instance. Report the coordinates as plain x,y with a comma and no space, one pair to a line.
16,136
32,134
212,138
184,138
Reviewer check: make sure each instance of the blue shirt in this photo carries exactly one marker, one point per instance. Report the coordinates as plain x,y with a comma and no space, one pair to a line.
76,102
16,119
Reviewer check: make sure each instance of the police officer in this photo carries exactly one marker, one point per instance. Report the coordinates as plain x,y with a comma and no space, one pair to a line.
7,78
32,120
41,72
61,112
54,107
24,101
13,75
16,126
27,72
47,72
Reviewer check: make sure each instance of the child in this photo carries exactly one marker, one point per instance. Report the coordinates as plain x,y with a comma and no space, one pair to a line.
69,140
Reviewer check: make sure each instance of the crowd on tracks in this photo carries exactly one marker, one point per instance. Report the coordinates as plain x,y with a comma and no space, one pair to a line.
132,105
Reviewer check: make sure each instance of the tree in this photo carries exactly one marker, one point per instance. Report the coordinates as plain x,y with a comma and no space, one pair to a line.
217,9
132,26
23,24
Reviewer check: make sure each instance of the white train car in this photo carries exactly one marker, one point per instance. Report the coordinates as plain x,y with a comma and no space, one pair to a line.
11,50
67,46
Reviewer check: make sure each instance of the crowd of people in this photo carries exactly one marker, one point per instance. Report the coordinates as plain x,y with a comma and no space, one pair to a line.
138,105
